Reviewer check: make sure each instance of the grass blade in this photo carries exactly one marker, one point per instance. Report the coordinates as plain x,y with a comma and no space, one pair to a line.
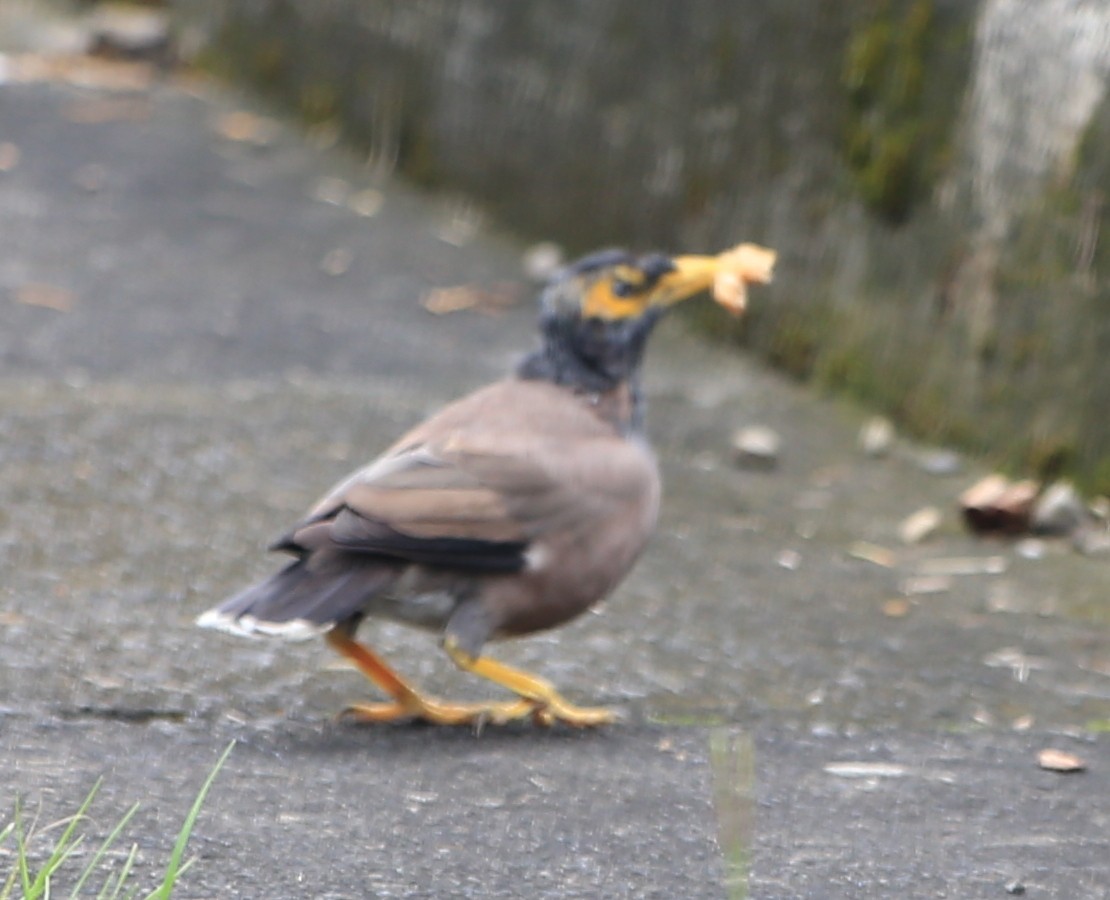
175,868
104,847
63,847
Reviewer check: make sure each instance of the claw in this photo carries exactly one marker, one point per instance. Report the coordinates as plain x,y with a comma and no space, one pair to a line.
536,698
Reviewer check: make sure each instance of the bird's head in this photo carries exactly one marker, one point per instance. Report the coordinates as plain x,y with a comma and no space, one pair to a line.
598,312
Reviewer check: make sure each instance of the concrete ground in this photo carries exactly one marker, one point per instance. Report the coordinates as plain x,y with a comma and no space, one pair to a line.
203,329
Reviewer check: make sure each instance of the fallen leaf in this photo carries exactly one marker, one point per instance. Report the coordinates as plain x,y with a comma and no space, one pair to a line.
441,301
1060,761
245,127
48,296
96,111
896,607
872,553
80,70
9,156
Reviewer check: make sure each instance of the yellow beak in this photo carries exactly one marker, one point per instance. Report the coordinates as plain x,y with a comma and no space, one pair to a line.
727,274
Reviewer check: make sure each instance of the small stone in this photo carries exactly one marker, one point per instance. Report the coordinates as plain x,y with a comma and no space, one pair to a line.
941,462
1031,549
331,190
866,770
367,202
918,526
337,261
876,437
1059,510
1060,761
756,447
541,260
964,565
917,585
1015,887
996,504
790,560
1092,541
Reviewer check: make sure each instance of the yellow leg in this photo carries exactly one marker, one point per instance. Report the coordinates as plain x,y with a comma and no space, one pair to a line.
408,703
548,706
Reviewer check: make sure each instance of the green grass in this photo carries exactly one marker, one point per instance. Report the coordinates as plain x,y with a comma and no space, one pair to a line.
34,879
732,764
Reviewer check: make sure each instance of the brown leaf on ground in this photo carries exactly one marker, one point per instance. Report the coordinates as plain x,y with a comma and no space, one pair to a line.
245,127
9,156
80,71
896,607
48,296
98,110
489,300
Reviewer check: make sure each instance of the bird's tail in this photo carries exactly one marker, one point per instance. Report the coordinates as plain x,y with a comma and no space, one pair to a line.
301,600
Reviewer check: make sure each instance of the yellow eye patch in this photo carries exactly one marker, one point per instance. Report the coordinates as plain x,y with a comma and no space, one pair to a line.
601,302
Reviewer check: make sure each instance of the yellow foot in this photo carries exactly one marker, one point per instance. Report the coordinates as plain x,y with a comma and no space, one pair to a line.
557,710
438,713
435,712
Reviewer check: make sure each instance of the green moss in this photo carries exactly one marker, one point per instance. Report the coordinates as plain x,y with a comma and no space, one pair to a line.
795,342
269,59
896,135
317,101
1099,480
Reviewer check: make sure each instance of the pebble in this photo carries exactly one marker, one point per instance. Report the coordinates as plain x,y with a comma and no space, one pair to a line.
790,560
1092,541
130,32
919,525
941,462
540,261
1015,887
1031,548
756,447
876,437
996,504
1060,761
1059,510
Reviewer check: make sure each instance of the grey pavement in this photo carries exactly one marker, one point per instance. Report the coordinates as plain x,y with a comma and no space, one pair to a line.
199,336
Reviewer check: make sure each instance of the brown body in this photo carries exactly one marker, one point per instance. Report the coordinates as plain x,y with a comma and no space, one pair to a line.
516,463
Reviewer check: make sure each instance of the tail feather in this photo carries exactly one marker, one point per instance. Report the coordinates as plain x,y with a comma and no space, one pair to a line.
301,600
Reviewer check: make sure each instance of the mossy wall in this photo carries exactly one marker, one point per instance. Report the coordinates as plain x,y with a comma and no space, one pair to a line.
851,136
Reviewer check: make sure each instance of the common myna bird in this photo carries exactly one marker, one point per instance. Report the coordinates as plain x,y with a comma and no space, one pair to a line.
510,511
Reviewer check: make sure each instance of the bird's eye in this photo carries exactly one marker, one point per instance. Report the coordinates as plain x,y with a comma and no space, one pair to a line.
626,281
